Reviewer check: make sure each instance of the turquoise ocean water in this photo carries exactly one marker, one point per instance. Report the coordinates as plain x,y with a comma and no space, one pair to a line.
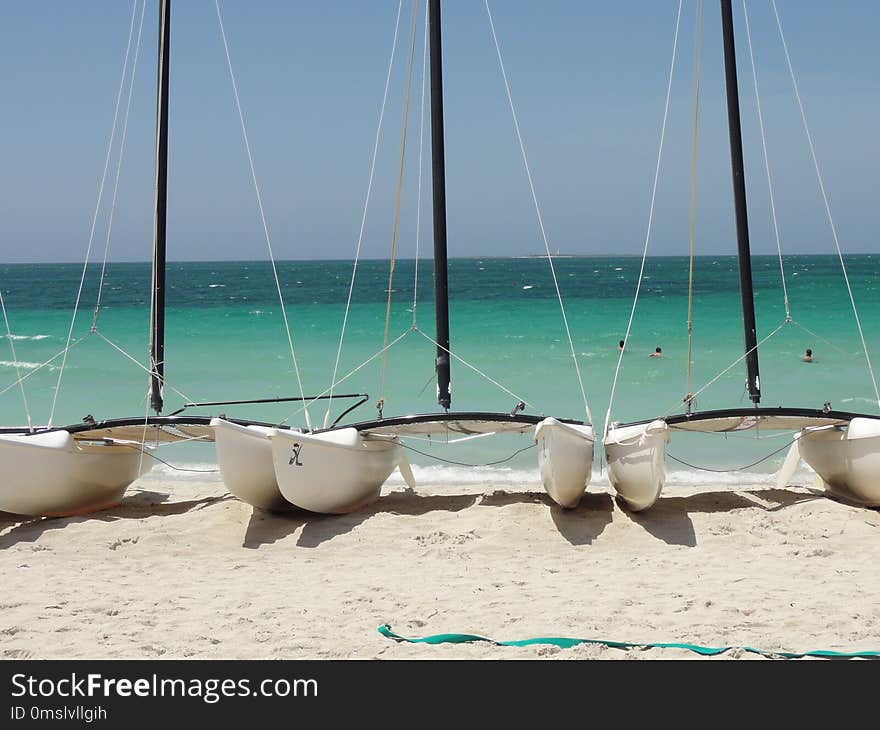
226,340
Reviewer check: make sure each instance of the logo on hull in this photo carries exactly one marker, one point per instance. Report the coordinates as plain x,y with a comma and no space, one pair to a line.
294,459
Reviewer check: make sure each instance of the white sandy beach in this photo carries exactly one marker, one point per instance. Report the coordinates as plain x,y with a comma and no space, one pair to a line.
182,569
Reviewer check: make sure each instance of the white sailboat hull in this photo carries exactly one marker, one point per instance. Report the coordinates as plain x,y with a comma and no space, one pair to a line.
53,475
335,472
636,457
244,456
847,459
565,459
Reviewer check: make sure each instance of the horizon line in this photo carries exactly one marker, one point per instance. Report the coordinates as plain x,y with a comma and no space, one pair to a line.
428,258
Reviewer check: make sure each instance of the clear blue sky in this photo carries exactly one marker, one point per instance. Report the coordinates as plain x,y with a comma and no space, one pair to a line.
588,79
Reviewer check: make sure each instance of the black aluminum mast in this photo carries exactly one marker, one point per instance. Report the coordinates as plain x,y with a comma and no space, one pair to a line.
157,306
438,163
739,199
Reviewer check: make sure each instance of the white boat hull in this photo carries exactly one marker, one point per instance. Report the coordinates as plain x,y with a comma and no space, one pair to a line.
334,472
847,459
565,459
53,475
636,457
244,456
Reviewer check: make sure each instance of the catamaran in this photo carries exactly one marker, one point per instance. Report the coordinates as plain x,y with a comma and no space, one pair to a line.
62,470
342,468
56,471
842,447
338,467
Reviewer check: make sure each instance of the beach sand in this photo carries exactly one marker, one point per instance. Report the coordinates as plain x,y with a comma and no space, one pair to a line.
182,569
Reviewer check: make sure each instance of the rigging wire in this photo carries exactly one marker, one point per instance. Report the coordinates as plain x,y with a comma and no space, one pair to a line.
827,204
43,364
767,164
731,366
474,368
650,215
144,452
538,211
260,206
788,316
693,202
396,225
391,344
20,381
360,239
97,211
786,300
823,339
136,362
123,137
737,434
336,381
327,391
419,187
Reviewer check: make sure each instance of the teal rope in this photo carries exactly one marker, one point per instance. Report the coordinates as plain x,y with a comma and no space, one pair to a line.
565,643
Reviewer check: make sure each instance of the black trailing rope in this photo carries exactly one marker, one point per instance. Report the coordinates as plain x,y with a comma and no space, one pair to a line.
364,397
168,464
735,468
461,463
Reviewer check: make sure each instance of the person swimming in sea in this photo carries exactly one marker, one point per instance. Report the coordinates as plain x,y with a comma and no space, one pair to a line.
620,345
808,356
657,353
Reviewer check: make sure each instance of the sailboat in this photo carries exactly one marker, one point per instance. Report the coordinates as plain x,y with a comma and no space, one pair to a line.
84,467
251,455
342,468
59,471
332,469
842,447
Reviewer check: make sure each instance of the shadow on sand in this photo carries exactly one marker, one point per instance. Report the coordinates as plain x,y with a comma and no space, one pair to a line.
580,526
137,505
7,519
669,519
268,527
584,523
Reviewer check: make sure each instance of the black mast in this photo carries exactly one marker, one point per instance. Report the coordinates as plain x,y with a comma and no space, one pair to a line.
438,163
739,199
157,306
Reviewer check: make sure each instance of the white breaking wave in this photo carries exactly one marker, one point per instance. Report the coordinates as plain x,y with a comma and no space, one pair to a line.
20,364
183,471
733,478
441,474
24,337
495,477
